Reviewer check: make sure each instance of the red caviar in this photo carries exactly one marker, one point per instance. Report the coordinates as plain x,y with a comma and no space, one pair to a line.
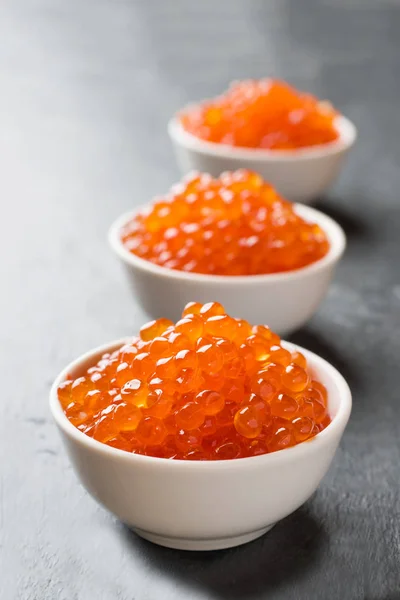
262,114
234,225
218,394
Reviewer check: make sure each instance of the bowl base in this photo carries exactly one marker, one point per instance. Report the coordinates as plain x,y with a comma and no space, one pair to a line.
202,544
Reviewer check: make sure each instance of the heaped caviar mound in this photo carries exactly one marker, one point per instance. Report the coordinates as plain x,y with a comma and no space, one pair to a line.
209,387
236,224
265,114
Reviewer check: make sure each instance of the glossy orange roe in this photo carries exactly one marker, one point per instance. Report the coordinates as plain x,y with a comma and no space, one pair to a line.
262,114
234,225
209,387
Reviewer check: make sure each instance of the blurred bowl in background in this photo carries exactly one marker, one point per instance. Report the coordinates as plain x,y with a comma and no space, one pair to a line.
301,175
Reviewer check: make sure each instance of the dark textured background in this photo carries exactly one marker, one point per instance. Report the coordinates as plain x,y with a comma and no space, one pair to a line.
86,88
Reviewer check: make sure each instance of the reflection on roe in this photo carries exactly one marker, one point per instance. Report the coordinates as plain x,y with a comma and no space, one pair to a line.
209,387
236,224
266,114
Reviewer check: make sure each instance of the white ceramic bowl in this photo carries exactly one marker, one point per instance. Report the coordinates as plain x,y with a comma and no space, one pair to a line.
197,505
298,175
285,301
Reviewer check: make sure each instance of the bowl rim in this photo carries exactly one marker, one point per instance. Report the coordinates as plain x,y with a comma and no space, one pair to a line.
331,433
347,137
333,230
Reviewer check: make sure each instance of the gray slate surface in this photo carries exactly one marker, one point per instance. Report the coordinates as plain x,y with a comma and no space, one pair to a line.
86,90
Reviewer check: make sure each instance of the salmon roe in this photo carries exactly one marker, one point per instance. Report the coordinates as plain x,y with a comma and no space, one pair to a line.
209,387
234,225
262,114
